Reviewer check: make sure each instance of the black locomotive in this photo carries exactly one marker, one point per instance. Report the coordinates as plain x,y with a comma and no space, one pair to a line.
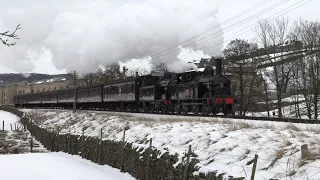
205,92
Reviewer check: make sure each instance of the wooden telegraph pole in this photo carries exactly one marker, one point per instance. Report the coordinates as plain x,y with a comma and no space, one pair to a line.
75,92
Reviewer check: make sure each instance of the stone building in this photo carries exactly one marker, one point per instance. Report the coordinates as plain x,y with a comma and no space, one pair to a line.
8,91
46,86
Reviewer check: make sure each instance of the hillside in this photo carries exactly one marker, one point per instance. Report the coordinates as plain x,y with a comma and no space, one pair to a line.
10,78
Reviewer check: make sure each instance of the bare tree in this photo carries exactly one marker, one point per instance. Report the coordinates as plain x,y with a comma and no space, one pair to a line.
274,34
159,67
309,66
242,67
5,36
112,72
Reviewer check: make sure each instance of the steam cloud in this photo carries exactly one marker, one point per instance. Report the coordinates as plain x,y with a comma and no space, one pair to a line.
83,34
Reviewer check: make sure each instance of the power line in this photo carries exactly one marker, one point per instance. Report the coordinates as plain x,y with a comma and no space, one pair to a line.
209,37
228,20
223,40
278,4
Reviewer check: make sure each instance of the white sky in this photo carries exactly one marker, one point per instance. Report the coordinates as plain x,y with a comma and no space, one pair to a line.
227,9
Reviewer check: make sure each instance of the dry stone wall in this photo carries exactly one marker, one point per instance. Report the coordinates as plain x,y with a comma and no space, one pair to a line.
109,152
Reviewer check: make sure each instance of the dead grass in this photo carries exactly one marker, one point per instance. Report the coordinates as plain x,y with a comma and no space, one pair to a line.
315,130
287,142
291,173
292,127
280,153
239,126
36,117
268,126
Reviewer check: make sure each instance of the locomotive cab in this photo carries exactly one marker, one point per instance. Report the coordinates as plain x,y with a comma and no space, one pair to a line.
205,90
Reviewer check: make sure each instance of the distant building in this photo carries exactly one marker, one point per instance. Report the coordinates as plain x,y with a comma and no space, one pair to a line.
8,91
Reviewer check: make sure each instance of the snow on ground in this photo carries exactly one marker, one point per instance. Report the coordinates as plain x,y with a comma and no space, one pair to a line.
289,111
55,166
225,145
8,119
290,99
11,139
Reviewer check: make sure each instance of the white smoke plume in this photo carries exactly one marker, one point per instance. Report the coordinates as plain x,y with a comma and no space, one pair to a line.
181,66
26,75
83,34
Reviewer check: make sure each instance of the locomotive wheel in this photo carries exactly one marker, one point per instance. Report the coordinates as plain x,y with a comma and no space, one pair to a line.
178,109
214,111
196,109
146,109
225,113
152,108
227,110
205,110
185,110
164,109
157,109
171,110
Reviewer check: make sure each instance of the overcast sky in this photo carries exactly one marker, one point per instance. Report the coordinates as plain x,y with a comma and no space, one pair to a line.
47,35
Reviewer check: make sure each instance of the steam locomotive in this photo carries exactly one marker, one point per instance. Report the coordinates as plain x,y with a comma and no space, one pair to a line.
197,92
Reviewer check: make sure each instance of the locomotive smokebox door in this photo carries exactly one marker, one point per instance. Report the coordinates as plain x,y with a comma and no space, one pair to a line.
188,77
208,70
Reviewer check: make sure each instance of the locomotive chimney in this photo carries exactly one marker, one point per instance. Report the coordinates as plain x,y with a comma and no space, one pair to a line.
218,66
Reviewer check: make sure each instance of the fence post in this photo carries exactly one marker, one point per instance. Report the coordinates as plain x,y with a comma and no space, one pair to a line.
15,127
187,164
100,148
122,151
11,126
148,159
31,144
82,143
52,140
2,125
69,140
254,166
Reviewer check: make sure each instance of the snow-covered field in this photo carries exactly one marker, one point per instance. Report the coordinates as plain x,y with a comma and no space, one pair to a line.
55,166
8,119
225,145
11,139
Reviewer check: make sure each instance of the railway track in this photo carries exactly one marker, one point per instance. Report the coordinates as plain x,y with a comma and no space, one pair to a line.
252,118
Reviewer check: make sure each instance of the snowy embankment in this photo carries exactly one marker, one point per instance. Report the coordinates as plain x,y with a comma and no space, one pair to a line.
296,109
55,166
225,145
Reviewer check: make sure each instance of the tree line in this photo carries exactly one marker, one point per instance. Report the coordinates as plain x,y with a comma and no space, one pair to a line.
290,70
